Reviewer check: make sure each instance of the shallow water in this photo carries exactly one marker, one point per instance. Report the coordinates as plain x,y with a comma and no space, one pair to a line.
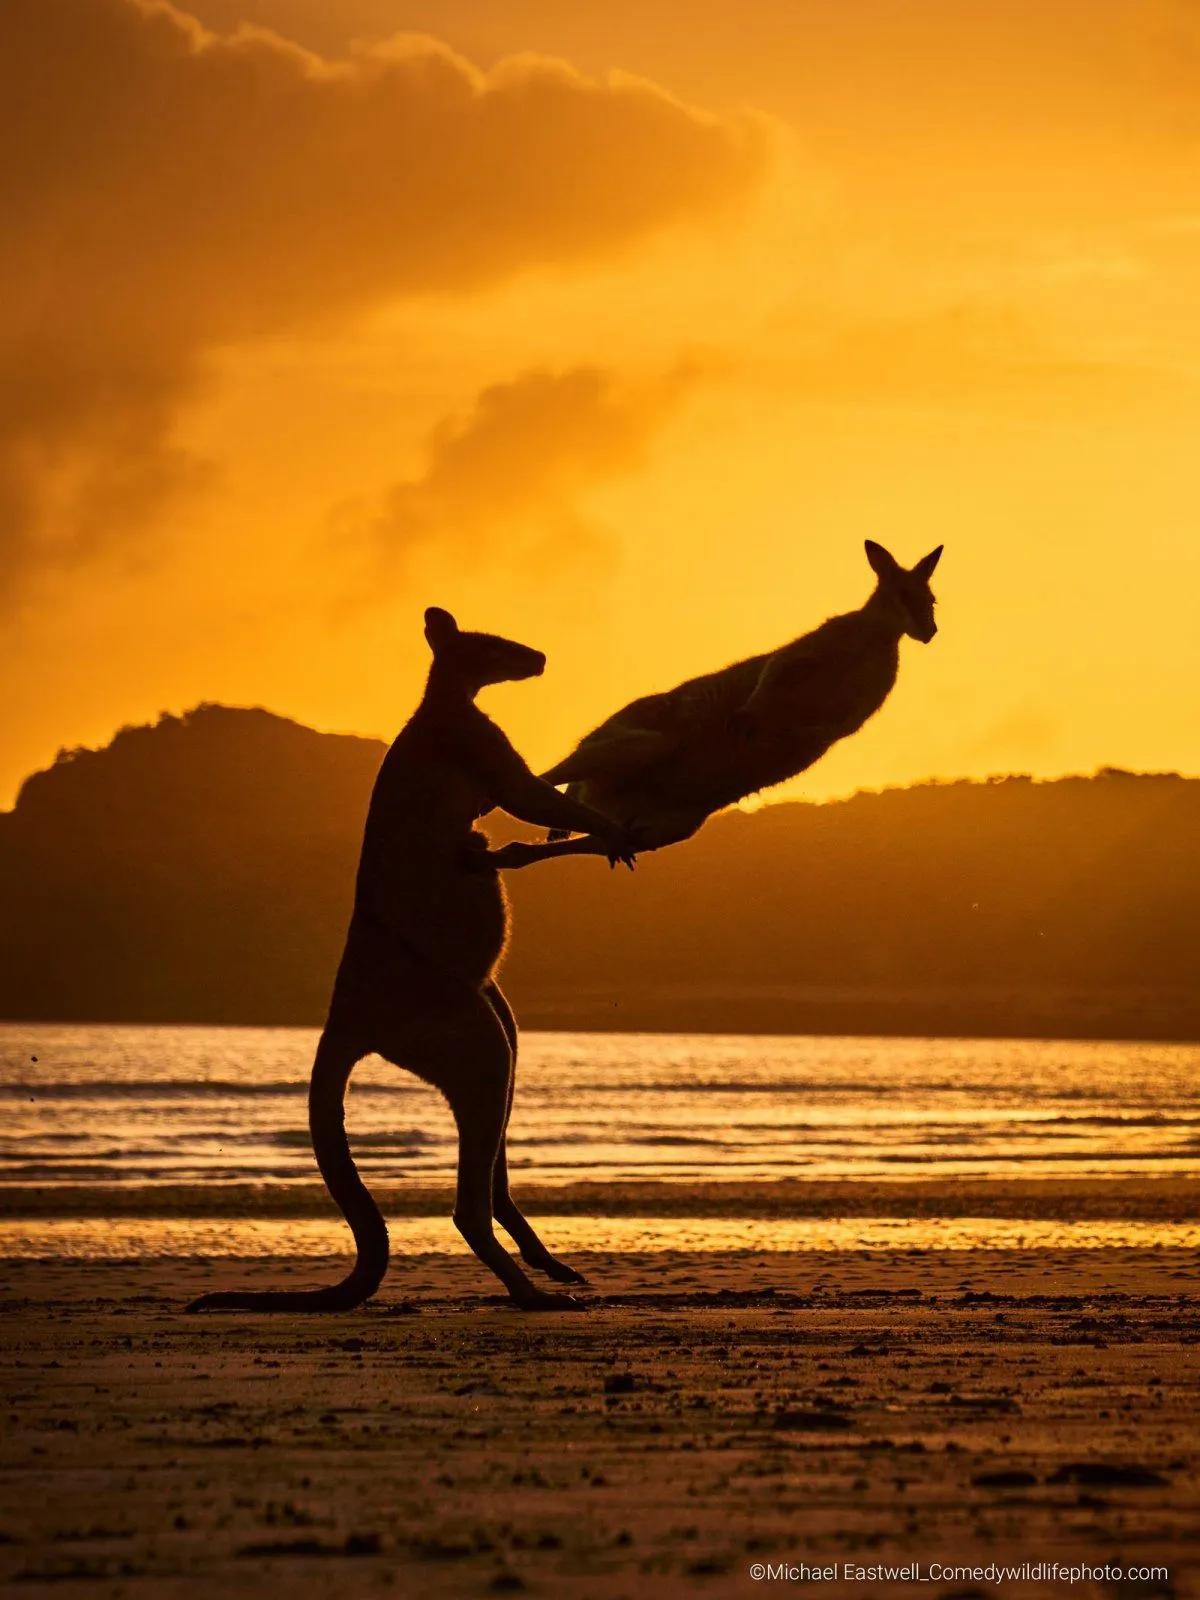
146,1106
98,1239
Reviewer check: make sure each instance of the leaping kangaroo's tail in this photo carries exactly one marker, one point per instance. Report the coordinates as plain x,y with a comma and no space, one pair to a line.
327,1123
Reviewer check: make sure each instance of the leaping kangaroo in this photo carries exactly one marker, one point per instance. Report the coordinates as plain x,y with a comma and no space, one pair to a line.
666,762
416,981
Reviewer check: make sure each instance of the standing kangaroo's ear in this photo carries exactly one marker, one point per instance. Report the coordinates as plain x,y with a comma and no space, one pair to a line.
924,567
440,628
883,563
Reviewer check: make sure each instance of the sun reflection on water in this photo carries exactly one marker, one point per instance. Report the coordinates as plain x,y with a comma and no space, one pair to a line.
85,1238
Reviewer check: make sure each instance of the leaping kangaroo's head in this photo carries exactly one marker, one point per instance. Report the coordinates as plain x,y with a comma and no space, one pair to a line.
907,589
479,658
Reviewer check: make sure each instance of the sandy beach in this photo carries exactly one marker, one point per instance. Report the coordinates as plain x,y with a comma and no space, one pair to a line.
706,1412
754,445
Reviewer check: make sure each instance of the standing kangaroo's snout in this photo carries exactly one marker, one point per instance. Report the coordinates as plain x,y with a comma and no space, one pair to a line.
479,658
506,661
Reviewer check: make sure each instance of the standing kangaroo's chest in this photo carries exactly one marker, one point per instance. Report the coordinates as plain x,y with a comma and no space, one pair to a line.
414,879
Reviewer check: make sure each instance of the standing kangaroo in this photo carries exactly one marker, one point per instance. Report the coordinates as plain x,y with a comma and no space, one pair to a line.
666,762
416,981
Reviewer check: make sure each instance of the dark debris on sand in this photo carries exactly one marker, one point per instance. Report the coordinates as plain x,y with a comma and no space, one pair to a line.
846,1410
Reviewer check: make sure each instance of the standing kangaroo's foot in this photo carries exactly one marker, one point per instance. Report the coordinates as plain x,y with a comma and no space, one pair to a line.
525,1295
560,1271
533,1251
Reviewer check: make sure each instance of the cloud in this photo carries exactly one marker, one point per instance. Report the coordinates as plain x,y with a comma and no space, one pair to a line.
511,470
167,192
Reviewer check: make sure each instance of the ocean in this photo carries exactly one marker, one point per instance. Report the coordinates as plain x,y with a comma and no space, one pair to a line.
151,1107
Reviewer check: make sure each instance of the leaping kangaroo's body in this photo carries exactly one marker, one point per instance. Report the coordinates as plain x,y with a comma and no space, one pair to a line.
416,983
665,763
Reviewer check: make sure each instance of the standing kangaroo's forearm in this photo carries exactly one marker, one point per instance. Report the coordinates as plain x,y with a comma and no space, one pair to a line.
514,856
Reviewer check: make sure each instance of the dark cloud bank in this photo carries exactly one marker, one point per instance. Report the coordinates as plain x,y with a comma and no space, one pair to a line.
167,192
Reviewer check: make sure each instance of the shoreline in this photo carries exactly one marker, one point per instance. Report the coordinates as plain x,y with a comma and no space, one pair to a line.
783,1011
1169,1198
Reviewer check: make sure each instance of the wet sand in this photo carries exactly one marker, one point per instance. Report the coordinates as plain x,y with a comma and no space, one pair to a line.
706,1412
1160,1198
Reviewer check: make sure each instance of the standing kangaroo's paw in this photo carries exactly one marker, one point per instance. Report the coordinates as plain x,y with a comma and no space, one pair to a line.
546,1300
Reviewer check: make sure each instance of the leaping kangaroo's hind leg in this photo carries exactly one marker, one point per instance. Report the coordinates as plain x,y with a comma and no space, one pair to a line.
504,1208
475,1076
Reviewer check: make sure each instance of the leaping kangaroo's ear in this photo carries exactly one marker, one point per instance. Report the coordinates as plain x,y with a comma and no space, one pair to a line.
440,628
924,567
883,563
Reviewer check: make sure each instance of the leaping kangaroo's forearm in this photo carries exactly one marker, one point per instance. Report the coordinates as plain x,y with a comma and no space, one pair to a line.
513,786
533,800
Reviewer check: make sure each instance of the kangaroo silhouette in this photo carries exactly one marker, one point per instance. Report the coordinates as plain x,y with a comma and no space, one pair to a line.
416,983
663,764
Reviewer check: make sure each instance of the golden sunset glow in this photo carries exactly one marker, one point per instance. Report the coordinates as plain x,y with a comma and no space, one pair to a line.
612,328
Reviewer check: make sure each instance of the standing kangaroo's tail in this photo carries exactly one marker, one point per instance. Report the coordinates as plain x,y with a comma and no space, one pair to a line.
327,1123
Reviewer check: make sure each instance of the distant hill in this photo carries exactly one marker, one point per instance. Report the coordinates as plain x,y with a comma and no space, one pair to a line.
200,870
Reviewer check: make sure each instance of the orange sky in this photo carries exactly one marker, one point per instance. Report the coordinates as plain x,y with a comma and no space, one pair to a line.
612,327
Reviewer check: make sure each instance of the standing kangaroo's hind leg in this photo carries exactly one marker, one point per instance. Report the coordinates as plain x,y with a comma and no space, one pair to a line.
504,1208
463,1049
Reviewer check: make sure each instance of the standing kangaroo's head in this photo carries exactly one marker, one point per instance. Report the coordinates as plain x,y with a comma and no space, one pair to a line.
907,591
478,658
